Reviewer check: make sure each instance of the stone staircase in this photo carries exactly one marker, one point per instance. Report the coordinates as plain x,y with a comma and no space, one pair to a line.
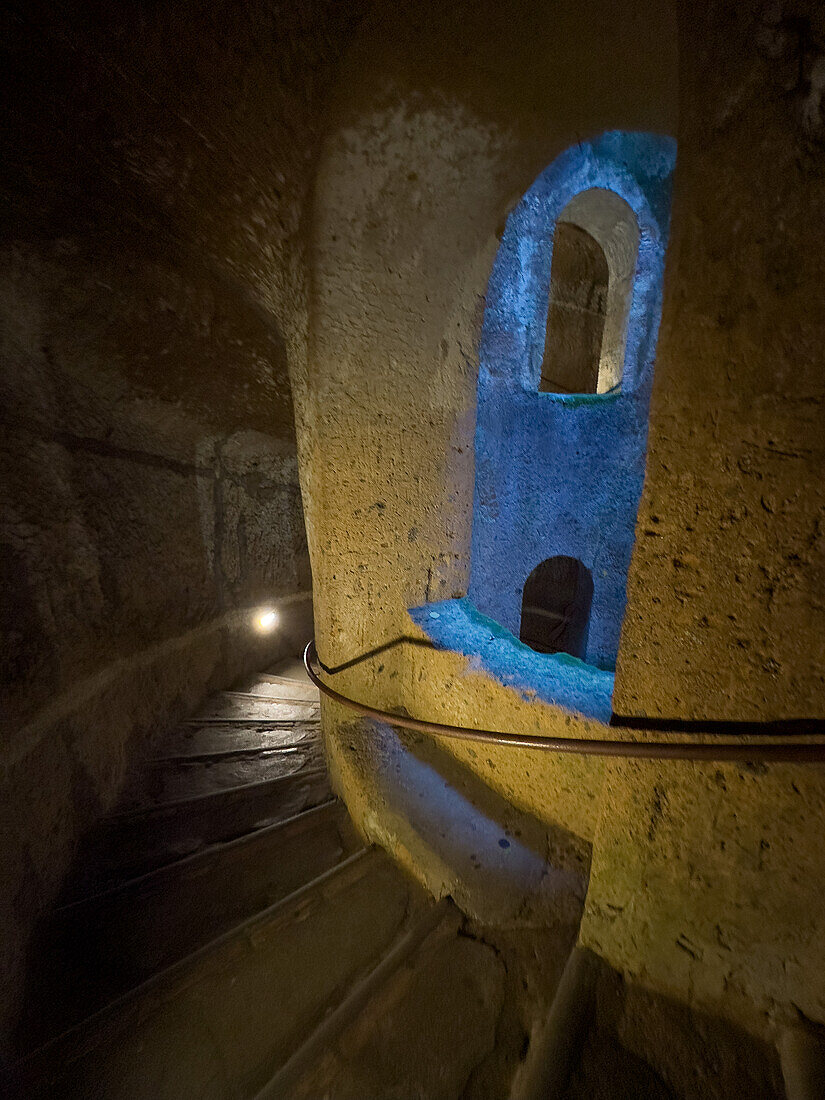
226,933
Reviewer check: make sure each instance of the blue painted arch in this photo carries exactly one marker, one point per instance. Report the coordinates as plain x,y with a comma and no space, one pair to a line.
562,474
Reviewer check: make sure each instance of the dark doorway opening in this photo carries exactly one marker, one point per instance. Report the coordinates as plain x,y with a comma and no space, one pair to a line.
555,607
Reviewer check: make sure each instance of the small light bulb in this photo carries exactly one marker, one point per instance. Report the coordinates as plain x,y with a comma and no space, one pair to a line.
266,621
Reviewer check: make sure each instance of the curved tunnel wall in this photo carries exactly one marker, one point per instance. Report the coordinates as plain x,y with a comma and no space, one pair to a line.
443,118
152,300
562,474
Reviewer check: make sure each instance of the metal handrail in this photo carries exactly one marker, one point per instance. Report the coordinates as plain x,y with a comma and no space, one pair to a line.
799,752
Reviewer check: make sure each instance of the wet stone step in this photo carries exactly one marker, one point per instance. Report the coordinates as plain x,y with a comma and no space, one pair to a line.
232,706
173,780
220,739
273,687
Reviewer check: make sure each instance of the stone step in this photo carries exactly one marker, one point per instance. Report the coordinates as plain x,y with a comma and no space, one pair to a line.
129,844
416,1026
216,741
247,704
277,688
221,735
95,949
290,668
222,1021
172,780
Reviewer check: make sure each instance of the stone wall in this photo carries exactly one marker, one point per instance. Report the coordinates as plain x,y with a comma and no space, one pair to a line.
708,880
727,616
443,119
705,881
155,167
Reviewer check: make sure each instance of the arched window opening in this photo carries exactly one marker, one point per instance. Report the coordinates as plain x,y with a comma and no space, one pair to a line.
576,313
595,245
555,607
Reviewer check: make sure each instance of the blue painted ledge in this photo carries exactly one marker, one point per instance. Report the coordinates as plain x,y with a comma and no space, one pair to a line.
554,678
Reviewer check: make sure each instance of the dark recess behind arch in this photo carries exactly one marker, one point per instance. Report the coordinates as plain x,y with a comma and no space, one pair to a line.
576,313
555,608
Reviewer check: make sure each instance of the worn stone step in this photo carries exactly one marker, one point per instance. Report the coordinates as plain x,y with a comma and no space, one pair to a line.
224,740
128,844
255,705
218,741
222,736
290,668
172,780
419,1033
95,949
220,1023
277,688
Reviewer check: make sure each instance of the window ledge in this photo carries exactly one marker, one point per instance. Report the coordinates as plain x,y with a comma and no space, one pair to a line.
575,399
554,678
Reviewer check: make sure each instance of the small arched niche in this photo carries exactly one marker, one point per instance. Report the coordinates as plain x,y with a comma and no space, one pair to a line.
595,245
555,607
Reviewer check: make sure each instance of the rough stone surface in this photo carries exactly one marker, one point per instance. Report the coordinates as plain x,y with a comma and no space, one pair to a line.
561,474
426,155
718,897
155,167
727,618
155,292
441,123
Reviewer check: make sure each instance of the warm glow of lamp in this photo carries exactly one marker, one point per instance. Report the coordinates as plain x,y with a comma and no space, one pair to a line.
266,621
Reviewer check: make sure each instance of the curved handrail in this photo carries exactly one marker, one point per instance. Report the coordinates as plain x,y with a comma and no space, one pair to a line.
799,752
